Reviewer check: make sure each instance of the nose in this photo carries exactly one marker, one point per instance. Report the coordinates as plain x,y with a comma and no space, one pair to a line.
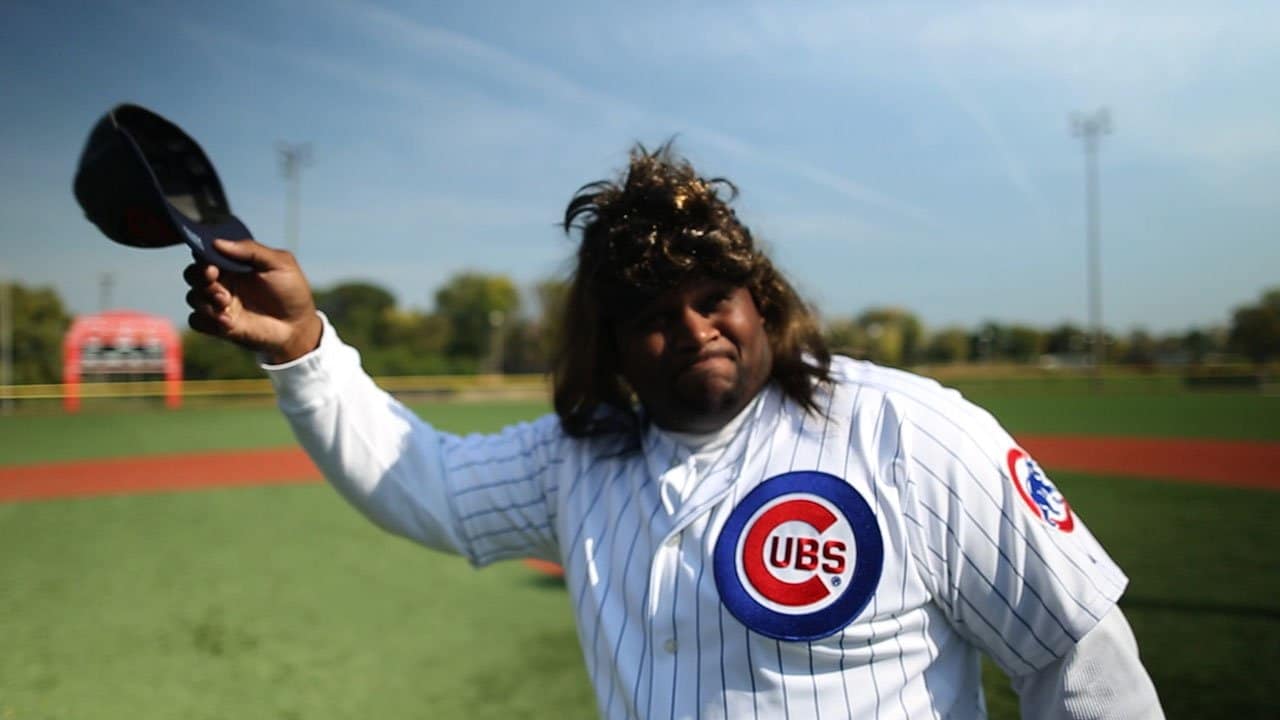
694,329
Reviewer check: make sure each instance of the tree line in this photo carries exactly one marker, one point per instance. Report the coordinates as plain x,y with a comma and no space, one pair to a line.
479,325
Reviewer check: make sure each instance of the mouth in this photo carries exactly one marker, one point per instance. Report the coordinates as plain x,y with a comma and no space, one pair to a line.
707,360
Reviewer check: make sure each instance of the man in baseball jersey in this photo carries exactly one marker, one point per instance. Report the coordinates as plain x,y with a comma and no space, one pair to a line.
750,527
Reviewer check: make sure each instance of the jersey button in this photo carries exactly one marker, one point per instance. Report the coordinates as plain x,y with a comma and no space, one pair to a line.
670,646
673,541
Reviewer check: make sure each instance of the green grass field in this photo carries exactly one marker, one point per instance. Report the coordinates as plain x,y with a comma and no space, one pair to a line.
1025,406
280,602
1222,415
121,433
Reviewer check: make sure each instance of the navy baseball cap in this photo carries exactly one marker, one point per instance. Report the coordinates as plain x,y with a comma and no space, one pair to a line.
146,183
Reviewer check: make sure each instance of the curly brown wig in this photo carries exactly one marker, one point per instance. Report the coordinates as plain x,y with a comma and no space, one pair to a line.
642,235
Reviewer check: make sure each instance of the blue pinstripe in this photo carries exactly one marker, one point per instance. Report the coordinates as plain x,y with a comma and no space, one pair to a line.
751,673
1007,560
608,584
539,445
848,453
897,463
543,525
508,481
875,599
626,617
591,506
724,683
994,589
989,582
1013,526
504,508
782,680
965,432
675,636
646,649
697,624
777,645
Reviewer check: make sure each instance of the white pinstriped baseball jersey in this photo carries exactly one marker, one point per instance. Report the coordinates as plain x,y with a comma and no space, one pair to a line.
851,563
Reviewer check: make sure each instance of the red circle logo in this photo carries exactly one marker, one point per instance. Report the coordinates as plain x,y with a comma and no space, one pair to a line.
1038,492
796,554
799,557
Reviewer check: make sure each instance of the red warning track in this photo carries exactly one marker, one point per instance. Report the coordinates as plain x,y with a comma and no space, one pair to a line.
1221,462
156,473
1236,463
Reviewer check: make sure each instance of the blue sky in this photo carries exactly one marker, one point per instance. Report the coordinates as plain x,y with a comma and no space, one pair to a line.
907,154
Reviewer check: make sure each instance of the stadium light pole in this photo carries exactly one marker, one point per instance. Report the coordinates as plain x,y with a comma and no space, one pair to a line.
292,159
496,336
106,282
6,344
1090,128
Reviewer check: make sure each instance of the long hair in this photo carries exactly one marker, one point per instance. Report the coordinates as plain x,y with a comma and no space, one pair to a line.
643,234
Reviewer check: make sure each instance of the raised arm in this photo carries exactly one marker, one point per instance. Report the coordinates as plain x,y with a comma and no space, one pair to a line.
486,497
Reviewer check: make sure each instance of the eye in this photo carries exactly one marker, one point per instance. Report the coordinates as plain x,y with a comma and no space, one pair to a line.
646,322
712,301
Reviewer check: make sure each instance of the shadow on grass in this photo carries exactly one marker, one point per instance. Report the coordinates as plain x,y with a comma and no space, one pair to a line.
1199,608
544,582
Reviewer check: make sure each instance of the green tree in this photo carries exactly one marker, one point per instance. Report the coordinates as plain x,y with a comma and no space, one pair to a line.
1065,339
410,343
993,341
894,335
39,323
949,345
1200,344
1022,343
1255,329
845,337
477,306
1140,349
552,295
359,311
986,342
421,333
525,348
209,358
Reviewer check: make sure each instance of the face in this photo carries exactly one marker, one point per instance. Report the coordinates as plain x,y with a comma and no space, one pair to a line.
696,355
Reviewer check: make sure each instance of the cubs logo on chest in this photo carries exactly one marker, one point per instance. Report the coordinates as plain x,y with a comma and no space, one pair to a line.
799,557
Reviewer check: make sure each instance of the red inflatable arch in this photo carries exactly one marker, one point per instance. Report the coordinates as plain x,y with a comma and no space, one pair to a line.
121,342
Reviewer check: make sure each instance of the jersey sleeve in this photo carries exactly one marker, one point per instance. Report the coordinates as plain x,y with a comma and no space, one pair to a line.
1101,678
1009,562
487,497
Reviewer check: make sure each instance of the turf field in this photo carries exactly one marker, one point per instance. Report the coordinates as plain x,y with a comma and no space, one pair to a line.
279,602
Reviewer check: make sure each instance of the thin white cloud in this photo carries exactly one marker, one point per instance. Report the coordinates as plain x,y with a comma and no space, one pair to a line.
1009,161
1191,80
818,176
511,69
1163,67
1085,42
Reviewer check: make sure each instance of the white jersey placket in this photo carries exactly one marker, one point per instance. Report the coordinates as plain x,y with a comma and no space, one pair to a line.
680,569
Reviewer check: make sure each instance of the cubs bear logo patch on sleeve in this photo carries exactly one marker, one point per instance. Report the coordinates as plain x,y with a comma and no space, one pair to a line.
799,557
1038,492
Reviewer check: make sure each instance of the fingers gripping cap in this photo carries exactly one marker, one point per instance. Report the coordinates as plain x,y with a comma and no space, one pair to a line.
146,183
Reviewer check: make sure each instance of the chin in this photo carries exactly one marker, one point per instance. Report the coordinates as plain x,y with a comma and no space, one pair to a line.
715,407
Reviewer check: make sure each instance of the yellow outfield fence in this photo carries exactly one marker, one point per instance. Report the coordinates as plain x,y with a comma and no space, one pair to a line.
538,385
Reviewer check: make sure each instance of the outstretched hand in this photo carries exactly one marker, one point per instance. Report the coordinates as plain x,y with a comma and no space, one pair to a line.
269,310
